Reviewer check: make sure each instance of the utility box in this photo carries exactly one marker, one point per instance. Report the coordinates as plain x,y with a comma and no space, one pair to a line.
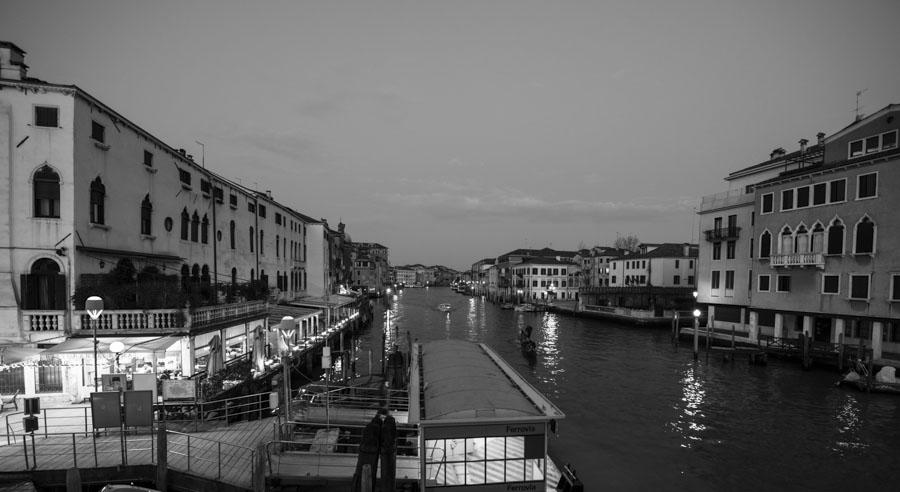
30,423
32,405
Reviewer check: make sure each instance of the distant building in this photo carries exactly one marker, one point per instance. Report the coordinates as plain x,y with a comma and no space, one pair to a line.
546,279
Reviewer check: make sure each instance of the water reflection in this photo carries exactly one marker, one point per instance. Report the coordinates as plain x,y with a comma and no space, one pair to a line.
690,420
548,346
847,415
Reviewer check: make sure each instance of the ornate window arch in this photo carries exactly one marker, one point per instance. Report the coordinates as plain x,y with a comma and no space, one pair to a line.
195,227
46,192
231,233
185,224
146,215
835,237
864,236
765,244
817,236
801,239
204,229
98,197
786,241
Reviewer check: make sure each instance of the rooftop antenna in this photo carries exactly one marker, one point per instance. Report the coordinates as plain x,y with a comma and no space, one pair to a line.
858,107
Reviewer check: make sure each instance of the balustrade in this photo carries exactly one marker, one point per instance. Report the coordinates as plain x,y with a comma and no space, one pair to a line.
44,320
798,259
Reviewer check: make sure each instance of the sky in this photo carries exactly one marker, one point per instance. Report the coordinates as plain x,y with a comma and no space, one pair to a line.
451,131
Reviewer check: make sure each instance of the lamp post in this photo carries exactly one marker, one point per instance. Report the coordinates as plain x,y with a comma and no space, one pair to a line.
117,348
696,331
286,326
94,307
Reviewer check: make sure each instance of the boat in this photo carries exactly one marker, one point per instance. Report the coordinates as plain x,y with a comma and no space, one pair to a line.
526,308
883,382
445,307
506,305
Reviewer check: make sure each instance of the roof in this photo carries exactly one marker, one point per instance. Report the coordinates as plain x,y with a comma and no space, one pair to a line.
332,300
667,250
546,261
279,311
463,382
85,345
814,151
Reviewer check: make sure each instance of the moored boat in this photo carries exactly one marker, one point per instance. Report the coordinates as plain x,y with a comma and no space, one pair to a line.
445,307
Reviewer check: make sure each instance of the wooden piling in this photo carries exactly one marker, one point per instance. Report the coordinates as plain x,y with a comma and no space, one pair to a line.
162,453
696,337
73,480
841,352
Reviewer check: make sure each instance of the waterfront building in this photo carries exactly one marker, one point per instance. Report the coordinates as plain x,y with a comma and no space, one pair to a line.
371,267
405,275
803,241
596,265
93,198
547,279
658,265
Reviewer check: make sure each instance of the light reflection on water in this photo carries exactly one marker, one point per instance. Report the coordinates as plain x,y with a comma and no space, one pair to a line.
641,415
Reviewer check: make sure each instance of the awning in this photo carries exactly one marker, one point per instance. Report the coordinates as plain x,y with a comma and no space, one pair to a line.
332,301
13,354
133,345
278,311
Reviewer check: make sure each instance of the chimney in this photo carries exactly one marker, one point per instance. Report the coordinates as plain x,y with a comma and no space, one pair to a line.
821,137
269,194
12,62
181,151
777,153
803,143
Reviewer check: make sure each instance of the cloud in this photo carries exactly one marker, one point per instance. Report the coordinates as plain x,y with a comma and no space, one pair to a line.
293,145
471,202
344,101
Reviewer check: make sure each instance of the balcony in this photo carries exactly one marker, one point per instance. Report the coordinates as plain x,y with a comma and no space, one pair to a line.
169,321
797,260
723,234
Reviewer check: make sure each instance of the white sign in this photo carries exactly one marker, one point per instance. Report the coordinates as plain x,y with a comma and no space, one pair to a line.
326,357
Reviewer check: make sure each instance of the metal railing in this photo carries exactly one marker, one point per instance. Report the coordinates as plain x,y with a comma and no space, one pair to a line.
63,450
201,456
722,233
798,259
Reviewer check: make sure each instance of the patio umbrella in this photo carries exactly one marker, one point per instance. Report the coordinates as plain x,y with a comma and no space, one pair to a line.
259,349
216,360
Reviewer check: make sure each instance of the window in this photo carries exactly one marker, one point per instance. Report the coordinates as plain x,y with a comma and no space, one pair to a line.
676,263
866,185
231,233
185,224
195,227
46,116
204,230
787,241
729,279
277,218
831,284
167,223
767,203
714,282
146,213
838,191
751,248
261,242
787,199
895,288
872,144
889,140
763,283
252,239
690,280
783,283
277,245
864,242
801,240
218,194
148,158
46,193
262,211
836,238
820,191
204,186
729,249
803,197
232,200
859,287
717,251
691,264
185,177
251,207
676,280
98,132
856,148
98,196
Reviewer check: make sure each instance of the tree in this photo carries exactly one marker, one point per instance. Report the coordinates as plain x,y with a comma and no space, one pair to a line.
629,242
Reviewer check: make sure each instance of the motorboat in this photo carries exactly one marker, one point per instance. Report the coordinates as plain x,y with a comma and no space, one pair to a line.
445,307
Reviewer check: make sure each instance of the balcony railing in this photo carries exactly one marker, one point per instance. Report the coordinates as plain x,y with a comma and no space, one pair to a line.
798,260
212,314
167,320
723,234
44,320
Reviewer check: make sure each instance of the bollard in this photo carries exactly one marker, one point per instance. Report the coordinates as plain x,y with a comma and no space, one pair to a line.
366,479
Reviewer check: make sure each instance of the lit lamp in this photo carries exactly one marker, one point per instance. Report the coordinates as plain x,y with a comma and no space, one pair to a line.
94,307
286,326
117,348
696,330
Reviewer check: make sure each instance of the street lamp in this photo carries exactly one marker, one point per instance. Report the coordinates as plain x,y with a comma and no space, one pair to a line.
94,307
696,331
286,326
117,348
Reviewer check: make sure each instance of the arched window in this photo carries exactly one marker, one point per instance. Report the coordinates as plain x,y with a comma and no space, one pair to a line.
261,244
277,245
864,237
765,245
787,241
252,275
195,227
252,239
44,287
231,233
195,273
185,276
185,224
146,213
836,237
204,274
233,277
818,238
801,240
204,230
98,196
46,192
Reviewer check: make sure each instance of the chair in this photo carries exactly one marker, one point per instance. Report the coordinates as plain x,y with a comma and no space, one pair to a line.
6,400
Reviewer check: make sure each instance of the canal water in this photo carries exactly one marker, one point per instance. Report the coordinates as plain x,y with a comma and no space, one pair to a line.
641,414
